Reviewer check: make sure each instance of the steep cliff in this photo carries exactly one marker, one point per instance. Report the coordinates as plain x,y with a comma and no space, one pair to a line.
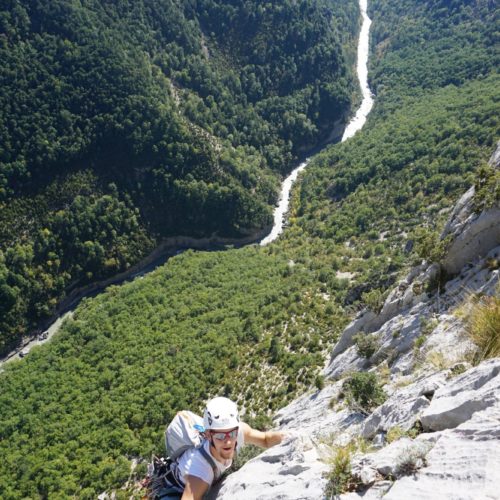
436,431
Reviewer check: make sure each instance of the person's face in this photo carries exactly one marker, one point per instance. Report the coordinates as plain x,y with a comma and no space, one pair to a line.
224,441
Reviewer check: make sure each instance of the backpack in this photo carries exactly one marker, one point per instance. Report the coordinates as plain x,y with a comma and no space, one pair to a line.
185,431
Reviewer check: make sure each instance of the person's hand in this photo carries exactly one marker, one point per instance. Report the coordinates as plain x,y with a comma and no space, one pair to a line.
288,435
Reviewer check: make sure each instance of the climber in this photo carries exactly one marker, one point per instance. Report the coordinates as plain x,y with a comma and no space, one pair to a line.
198,468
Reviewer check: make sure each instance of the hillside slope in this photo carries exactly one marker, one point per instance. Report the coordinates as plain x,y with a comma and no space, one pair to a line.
124,123
403,413
79,411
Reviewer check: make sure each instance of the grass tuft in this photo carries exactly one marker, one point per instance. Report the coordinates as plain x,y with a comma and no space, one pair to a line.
340,477
483,326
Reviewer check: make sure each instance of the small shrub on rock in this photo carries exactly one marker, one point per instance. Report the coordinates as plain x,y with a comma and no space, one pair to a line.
374,300
457,369
437,359
363,392
394,433
427,326
340,477
246,454
419,342
319,382
429,246
412,459
366,345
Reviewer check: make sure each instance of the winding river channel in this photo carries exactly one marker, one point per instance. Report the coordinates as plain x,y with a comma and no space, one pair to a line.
280,211
353,126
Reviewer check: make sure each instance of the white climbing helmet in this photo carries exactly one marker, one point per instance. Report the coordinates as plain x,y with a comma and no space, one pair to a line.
221,413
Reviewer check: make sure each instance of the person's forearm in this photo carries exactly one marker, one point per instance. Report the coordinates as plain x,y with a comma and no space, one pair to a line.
273,438
189,495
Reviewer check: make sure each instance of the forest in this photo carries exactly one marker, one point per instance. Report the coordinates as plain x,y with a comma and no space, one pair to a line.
126,122
78,410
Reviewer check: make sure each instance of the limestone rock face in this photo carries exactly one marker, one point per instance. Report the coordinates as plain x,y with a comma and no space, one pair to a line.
459,462
427,317
394,460
408,293
419,338
481,233
404,407
361,323
463,464
473,235
456,402
313,414
347,361
290,471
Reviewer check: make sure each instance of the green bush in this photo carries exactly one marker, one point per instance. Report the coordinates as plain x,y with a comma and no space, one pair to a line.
374,300
429,246
366,344
363,392
319,382
246,454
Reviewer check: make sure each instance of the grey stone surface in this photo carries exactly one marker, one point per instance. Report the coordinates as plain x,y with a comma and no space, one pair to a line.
361,323
345,362
404,407
473,235
290,471
456,402
464,464
316,414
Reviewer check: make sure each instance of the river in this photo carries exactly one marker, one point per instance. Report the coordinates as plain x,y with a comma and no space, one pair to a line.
281,210
353,126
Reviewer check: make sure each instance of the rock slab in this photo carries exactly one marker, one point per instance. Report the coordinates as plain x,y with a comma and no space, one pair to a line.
464,464
456,402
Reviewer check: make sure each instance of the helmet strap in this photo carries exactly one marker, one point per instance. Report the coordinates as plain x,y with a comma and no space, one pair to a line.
211,441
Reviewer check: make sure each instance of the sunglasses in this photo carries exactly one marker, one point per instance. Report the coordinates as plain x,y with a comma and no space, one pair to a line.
223,436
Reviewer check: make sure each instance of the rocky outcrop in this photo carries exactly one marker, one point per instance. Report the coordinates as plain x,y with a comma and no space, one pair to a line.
408,293
473,235
463,457
404,407
411,313
291,471
481,234
456,402
464,463
422,351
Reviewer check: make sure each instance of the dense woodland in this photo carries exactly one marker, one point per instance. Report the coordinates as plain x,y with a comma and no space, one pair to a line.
256,323
123,122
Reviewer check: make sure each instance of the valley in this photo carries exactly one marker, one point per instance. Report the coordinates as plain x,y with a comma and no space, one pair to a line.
258,323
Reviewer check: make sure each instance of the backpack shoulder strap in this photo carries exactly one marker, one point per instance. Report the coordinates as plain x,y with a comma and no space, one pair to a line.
210,460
